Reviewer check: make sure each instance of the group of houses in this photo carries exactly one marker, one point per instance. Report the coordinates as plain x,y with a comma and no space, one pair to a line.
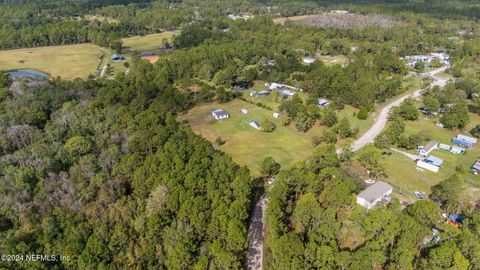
220,114
443,58
433,163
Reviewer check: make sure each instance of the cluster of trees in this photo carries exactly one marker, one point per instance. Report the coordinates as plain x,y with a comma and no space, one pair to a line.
100,171
314,223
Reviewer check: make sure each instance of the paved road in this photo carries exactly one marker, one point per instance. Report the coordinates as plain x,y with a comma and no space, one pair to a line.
382,117
256,231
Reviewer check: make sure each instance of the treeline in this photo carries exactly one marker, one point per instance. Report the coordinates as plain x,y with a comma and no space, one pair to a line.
314,223
100,171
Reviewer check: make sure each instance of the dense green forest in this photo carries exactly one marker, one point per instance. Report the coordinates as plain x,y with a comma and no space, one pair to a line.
100,170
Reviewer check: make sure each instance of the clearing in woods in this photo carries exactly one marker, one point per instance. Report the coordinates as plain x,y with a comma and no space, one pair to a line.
67,61
148,42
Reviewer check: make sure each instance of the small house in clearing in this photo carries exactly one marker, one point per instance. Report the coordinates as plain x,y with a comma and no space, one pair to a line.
374,194
427,149
255,125
424,164
322,102
220,114
476,167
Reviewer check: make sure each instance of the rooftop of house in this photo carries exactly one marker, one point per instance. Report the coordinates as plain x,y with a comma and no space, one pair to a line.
220,113
435,160
476,165
430,146
375,191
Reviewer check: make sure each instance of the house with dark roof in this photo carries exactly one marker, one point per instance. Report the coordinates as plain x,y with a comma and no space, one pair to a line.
220,114
374,194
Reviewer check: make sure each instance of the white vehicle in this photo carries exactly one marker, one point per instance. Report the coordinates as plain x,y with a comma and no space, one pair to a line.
420,169
370,181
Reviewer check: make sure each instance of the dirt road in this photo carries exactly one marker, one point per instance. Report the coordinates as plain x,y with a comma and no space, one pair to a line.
256,232
382,118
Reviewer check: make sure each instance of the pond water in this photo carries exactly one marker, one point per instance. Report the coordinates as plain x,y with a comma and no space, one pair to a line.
31,73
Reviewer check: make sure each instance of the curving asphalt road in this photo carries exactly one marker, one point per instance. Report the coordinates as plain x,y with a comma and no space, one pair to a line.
382,118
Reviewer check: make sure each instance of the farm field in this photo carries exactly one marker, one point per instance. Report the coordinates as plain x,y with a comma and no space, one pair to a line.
148,42
405,178
246,145
67,61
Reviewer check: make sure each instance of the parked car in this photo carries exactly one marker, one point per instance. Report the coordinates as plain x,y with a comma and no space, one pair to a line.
370,181
420,195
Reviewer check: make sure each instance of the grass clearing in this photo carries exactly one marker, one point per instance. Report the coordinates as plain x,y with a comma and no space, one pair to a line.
246,145
67,61
148,42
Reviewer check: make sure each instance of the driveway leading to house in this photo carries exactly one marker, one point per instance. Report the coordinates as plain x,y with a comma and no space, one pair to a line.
382,118
256,231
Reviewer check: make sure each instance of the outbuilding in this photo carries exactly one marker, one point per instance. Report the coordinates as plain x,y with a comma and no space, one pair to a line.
426,165
476,167
255,125
276,115
434,160
374,194
322,102
220,114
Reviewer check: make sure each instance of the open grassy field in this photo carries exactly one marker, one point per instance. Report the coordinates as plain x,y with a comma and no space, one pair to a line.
68,61
246,145
406,179
148,42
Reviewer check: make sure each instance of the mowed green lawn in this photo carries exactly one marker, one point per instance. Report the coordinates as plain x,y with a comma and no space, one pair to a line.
148,42
402,170
68,61
246,145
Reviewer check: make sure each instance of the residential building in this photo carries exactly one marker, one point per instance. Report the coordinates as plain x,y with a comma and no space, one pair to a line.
434,160
220,114
427,149
426,165
464,141
374,194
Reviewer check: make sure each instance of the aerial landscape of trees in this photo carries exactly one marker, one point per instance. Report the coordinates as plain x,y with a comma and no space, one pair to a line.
101,169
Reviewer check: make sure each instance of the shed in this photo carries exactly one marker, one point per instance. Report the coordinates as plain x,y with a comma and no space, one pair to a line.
255,125
309,60
433,145
476,166
117,57
322,102
220,114
374,194
435,160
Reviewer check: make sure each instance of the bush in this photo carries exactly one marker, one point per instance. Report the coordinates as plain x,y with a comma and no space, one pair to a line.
78,145
362,114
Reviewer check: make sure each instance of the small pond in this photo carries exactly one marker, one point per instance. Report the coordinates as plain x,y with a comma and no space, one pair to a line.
30,73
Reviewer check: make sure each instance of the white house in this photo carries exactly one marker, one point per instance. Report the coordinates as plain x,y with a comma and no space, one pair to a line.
444,147
429,166
220,114
374,194
433,145
457,150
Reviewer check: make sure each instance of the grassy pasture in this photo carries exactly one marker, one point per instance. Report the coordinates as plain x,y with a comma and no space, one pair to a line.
67,61
148,42
246,145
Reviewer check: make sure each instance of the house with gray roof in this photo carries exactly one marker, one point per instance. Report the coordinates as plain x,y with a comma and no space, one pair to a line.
220,114
427,149
374,194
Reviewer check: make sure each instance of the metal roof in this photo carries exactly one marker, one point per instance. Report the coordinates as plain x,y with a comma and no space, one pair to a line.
436,160
375,191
